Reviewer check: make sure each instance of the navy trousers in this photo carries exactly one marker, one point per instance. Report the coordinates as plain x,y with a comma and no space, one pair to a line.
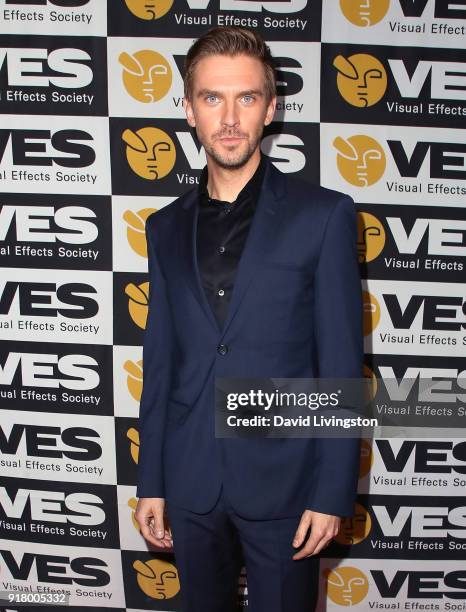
211,548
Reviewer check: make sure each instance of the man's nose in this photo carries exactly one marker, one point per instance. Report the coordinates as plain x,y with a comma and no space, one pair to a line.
230,113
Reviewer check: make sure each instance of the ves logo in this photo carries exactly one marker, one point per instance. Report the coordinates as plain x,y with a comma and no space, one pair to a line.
134,378
136,222
149,9
133,436
138,303
150,152
132,505
361,79
355,529
371,312
347,586
371,237
157,578
366,459
366,13
147,76
361,160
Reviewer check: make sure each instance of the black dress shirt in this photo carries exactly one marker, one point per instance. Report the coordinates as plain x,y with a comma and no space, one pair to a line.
222,229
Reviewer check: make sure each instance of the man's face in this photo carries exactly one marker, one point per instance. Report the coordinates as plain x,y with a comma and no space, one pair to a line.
228,107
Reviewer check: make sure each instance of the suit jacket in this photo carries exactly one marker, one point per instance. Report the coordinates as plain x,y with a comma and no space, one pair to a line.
295,311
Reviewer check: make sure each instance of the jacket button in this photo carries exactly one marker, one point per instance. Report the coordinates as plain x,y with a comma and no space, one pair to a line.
222,349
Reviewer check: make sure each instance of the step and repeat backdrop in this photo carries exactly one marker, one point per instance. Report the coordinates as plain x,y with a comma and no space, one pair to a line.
372,101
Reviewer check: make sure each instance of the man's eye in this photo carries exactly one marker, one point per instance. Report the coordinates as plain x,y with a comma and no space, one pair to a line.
211,99
248,99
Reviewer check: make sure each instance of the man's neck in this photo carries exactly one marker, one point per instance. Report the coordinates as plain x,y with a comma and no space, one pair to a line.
225,184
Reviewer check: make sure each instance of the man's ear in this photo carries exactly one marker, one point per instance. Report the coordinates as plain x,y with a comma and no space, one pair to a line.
188,109
270,111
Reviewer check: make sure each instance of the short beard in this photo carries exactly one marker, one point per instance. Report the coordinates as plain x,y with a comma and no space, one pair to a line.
231,162
238,161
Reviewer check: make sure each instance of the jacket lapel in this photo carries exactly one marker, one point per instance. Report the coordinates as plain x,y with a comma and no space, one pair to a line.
260,236
188,252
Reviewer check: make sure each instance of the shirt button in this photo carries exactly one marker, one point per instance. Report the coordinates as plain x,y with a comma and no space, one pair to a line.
221,292
221,249
222,349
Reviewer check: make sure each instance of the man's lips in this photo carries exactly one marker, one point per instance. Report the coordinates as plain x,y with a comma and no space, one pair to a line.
230,139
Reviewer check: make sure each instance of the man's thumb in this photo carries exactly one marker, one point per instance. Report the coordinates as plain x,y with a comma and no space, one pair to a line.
158,526
299,536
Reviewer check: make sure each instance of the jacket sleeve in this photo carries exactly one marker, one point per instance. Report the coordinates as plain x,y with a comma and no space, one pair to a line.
339,343
157,373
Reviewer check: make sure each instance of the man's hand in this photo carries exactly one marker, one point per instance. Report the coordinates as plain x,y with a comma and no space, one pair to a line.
324,527
153,521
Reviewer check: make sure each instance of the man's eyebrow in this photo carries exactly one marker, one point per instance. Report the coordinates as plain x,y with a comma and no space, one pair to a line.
207,92
247,92
251,92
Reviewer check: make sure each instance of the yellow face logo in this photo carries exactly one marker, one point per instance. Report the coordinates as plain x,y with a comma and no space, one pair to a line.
366,459
132,505
138,303
136,229
364,13
361,79
134,378
370,384
371,312
150,152
149,9
147,75
360,160
157,578
371,237
133,436
346,586
355,529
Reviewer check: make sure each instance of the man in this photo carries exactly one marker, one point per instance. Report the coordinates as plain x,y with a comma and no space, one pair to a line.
253,274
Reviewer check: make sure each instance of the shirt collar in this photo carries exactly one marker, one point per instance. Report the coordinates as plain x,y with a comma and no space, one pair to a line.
250,191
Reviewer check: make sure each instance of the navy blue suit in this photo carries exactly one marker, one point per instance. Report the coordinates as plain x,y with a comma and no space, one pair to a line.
295,311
